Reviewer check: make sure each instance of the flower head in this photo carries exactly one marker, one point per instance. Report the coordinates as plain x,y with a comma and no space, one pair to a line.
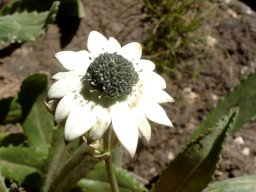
108,86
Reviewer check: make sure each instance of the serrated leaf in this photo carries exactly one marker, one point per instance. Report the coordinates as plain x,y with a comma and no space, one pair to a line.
194,166
38,125
26,5
18,163
239,184
242,96
21,27
97,180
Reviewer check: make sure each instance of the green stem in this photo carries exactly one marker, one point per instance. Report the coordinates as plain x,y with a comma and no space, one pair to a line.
111,174
108,162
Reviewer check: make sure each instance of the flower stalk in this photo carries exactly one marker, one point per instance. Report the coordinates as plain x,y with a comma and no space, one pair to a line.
111,174
109,163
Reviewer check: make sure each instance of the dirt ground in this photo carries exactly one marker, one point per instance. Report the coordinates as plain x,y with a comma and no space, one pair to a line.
227,55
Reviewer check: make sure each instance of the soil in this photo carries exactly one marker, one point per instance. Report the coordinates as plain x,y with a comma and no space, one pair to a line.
227,55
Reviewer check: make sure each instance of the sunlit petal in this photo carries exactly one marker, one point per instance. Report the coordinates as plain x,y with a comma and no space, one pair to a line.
97,43
131,51
113,45
155,112
152,80
145,128
125,126
147,65
66,104
74,61
103,120
79,121
62,87
158,95
65,75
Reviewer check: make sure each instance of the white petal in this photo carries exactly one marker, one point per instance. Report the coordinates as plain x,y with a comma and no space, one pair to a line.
74,61
113,45
155,112
152,80
96,43
103,120
144,64
80,120
145,128
63,87
125,126
65,75
64,107
158,95
131,51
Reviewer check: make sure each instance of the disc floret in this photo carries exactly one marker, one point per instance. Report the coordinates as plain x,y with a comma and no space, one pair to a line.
112,75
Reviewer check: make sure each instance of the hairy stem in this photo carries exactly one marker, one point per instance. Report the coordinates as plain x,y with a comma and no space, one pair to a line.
111,174
108,162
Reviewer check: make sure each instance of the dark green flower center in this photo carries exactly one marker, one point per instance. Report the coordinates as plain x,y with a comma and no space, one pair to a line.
112,75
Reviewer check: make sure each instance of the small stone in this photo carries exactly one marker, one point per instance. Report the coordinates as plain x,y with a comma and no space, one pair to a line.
249,11
152,170
218,173
232,13
215,97
170,156
211,41
239,140
227,1
189,95
244,70
246,151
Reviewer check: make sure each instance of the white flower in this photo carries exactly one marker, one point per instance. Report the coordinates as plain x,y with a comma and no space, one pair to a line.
108,85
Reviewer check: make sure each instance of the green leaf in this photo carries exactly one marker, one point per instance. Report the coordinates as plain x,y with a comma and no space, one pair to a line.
10,111
2,185
194,166
14,113
243,96
5,107
67,164
38,125
31,88
21,27
71,8
18,163
26,5
239,184
3,136
67,7
97,180
58,155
